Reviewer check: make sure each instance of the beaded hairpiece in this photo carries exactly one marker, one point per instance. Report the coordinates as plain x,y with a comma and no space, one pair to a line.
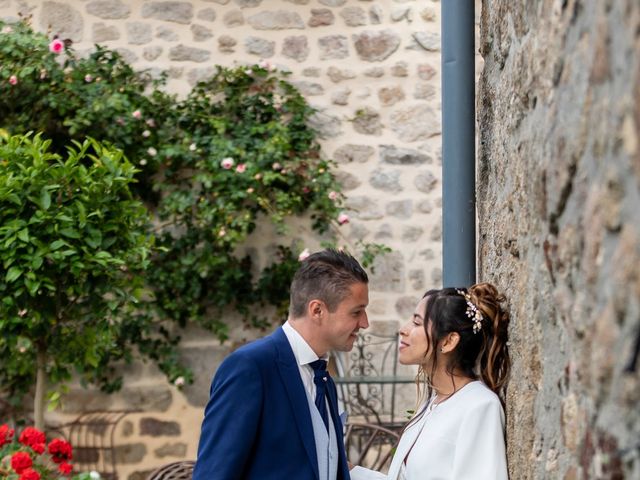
472,311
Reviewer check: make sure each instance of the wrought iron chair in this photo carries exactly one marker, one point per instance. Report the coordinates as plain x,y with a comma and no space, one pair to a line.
370,445
182,470
367,379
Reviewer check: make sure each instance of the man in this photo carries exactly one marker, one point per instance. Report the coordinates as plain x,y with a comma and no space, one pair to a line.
273,411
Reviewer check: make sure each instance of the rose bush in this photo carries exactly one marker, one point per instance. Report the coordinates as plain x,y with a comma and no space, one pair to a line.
28,457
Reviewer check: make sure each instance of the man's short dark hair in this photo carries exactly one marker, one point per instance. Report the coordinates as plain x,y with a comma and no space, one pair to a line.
326,275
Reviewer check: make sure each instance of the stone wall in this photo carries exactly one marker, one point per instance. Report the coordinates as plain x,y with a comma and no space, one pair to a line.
371,68
559,220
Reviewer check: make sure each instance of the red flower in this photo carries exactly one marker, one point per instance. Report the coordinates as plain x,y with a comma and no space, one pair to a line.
60,450
21,461
29,474
31,437
38,447
6,434
65,468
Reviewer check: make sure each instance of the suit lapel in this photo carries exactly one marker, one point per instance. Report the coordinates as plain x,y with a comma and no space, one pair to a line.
290,375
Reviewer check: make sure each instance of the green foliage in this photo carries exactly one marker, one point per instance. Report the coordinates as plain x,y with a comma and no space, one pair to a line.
211,166
73,244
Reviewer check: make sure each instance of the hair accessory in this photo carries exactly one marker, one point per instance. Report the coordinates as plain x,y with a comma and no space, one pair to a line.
472,312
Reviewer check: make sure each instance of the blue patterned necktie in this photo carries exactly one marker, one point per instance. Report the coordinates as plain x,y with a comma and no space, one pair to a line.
320,378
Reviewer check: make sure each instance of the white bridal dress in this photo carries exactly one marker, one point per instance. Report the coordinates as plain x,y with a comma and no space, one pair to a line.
460,439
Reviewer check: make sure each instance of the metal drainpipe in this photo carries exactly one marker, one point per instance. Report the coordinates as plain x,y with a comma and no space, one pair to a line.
458,143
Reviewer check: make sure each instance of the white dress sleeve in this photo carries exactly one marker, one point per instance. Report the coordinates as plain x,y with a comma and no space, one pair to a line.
480,449
360,473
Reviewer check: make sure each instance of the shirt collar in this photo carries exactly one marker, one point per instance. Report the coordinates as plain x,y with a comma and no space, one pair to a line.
301,350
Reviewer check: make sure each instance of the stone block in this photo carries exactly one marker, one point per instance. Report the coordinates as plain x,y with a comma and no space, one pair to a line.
414,123
376,14
424,91
426,71
207,14
333,47
341,96
177,12
400,209
325,124
347,180
417,280
353,153
406,306
402,156
177,450
374,72
128,454
203,361
339,74
411,234
354,16
62,20
425,181
308,89
314,72
296,47
276,20
182,53
387,273
233,18
165,33
158,428
104,33
226,44
333,3
248,3
375,46
200,33
400,69
390,95
108,9
259,46
429,41
367,121
321,17
138,33
386,180
363,208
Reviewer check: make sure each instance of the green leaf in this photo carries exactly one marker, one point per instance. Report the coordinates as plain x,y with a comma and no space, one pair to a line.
45,199
13,274
24,235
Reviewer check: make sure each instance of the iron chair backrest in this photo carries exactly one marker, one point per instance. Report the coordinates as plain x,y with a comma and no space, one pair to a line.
182,470
370,446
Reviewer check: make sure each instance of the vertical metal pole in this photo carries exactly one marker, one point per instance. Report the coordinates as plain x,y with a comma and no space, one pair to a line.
458,143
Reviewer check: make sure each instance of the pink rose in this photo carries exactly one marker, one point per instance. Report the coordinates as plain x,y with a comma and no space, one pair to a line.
56,46
88,78
343,218
333,195
304,254
227,163
13,80
276,166
241,168
137,114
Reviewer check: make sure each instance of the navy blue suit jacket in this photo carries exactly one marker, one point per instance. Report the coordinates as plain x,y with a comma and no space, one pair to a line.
257,424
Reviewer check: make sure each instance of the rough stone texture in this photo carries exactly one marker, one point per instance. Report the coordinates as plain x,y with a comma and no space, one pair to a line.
108,9
207,14
314,72
178,12
374,72
386,180
558,196
405,306
203,361
182,53
233,18
321,17
148,399
196,75
416,277
308,88
426,71
127,454
296,47
428,41
425,181
339,74
411,234
415,123
104,33
333,3
276,20
333,47
424,91
347,180
259,46
341,96
325,124
376,46
353,153
388,273
178,450
138,33
402,156
364,208
63,20
247,3
428,14
401,209
376,14
226,44
390,95
200,33
157,428
354,16
400,69
167,34
367,121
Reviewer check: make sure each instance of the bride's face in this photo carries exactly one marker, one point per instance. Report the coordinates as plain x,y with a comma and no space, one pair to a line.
414,344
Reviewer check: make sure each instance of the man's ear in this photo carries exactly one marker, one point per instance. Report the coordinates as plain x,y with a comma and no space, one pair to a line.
450,342
316,309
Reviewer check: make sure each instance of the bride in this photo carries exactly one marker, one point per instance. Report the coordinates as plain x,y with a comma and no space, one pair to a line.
458,337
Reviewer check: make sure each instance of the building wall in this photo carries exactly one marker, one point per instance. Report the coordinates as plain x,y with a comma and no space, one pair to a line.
372,69
559,227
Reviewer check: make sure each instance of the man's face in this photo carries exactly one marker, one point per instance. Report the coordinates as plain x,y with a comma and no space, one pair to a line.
339,328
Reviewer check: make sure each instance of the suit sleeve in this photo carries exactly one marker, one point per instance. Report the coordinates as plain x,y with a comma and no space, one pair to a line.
480,449
361,473
230,420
